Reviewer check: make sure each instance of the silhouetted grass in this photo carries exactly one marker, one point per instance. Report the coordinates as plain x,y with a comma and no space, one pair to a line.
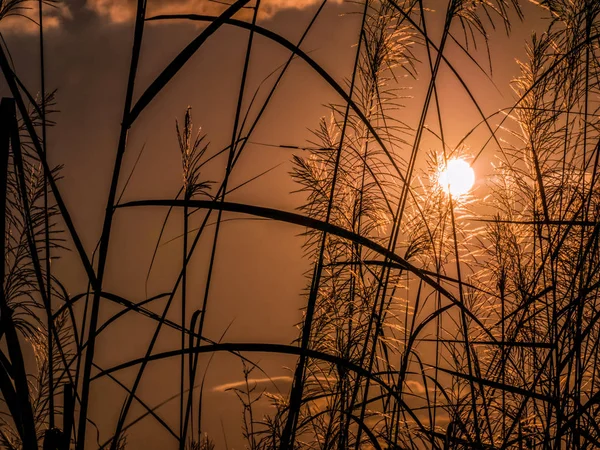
430,321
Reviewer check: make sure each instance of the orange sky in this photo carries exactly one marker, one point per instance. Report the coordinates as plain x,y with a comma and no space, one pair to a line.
259,278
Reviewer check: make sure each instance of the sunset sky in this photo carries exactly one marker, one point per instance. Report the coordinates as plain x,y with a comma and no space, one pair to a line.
259,279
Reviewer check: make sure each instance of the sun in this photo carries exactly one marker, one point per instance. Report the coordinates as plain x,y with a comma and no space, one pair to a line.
457,177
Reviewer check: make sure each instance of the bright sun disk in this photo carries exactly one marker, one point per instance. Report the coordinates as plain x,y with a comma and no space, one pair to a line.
457,178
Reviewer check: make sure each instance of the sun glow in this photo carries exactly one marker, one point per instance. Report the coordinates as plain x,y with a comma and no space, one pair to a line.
457,177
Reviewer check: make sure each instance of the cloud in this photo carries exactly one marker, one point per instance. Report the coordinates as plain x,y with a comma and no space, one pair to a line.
251,382
23,16
120,11
415,386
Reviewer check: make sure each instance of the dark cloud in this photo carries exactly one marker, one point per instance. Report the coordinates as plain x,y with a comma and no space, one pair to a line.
22,17
119,11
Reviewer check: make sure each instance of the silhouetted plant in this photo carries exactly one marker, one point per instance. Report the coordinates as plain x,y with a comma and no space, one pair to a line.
431,320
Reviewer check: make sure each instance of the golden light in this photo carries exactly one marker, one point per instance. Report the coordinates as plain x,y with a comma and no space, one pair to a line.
457,177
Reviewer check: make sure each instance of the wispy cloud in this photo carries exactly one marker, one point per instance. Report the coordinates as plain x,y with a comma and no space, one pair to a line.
251,382
23,16
415,386
119,11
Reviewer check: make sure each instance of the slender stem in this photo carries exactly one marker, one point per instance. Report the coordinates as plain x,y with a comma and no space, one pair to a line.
50,324
228,169
183,423
106,231
289,432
